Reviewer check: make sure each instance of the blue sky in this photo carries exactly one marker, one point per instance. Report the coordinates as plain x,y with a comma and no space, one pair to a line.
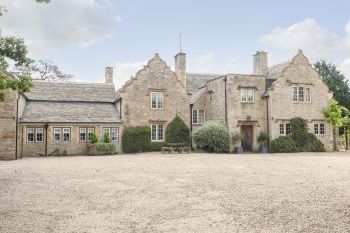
84,36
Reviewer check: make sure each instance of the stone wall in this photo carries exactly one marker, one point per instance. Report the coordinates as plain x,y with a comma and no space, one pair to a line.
8,109
136,95
74,147
281,105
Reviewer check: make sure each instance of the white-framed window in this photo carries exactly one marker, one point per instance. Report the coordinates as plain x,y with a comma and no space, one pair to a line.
90,132
157,100
198,116
30,135
106,131
82,134
247,95
39,134
113,133
301,94
319,129
285,128
57,134
66,134
157,132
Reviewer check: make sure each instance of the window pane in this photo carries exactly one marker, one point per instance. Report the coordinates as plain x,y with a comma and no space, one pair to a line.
243,95
288,129
82,134
250,94
57,134
295,94
282,129
114,134
160,132
90,132
194,116
301,94
66,134
30,134
316,128
322,129
39,134
307,94
154,100
160,99
154,132
200,116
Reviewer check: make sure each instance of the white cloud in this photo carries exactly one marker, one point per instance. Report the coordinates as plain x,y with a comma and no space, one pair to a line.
316,41
124,71
59,24
345,68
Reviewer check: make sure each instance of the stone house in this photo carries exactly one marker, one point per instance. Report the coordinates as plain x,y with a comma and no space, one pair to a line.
59,118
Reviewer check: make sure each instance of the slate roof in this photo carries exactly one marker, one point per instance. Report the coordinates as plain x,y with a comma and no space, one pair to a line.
71,102
72,91
196,81
197,95
276,70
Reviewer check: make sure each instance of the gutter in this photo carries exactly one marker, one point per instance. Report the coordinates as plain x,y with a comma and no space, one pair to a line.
46,126
268,122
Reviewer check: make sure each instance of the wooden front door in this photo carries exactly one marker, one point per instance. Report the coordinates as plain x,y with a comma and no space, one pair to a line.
247,141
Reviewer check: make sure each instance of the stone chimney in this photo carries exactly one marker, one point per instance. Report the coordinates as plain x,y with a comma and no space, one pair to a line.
180,67
109,74
260,63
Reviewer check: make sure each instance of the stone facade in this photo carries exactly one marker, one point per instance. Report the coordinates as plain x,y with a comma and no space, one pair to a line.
135,97
8,118
74,147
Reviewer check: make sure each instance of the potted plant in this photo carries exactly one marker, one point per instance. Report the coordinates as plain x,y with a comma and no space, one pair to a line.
236,140
263,139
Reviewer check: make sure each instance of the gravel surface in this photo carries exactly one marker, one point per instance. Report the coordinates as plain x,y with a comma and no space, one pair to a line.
177,193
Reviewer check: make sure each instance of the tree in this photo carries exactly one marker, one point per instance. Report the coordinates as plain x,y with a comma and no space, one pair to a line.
14,50
336,82
177,132
45,70
334,115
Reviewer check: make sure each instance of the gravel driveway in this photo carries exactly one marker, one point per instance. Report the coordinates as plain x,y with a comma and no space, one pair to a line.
177,193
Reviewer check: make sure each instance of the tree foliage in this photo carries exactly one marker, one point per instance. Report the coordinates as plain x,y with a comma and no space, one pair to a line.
212,137
177,132
334,113
45,70
283,144
336,81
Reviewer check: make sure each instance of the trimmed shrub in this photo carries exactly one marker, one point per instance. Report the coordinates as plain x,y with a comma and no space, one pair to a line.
177,132
263,138
101,149
212,137
156,146
136,139
94,138
313,144
106,138
299,132
283,144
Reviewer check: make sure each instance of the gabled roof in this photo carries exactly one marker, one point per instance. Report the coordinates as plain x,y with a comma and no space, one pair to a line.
69,112
197,95
275,70
72,91
196,81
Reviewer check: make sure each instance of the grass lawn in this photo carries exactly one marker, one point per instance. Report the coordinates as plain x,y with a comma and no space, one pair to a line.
154,192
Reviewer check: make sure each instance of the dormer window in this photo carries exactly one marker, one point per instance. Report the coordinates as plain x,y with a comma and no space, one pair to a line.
157,99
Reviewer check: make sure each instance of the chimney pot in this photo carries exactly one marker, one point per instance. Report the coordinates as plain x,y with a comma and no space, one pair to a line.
260,63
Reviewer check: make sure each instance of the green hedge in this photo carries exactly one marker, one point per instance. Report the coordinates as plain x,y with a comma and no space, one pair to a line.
313,144
212,137
283,144
177,132
101,149
138,139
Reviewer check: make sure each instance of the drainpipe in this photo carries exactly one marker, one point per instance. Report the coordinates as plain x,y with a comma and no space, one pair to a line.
225,80
191,106
16,133
46,126
268,122
120,108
